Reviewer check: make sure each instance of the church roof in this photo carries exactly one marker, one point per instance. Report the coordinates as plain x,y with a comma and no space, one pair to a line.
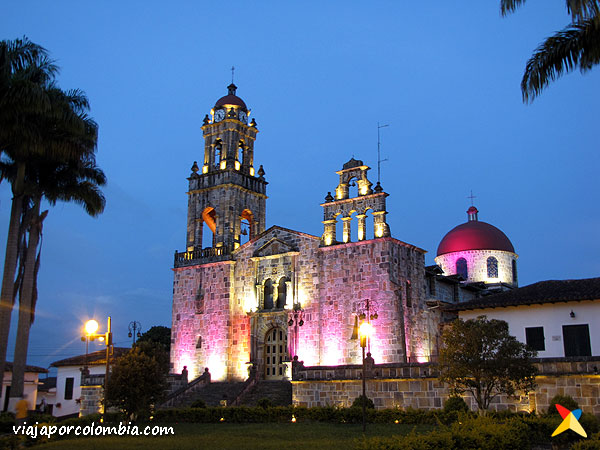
551,291
231,99
474,235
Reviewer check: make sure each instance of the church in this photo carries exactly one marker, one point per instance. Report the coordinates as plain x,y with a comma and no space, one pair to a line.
284,295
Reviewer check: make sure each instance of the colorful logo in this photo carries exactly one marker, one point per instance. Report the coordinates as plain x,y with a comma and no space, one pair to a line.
570,421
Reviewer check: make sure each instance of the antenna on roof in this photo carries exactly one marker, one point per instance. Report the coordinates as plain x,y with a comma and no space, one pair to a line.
379,160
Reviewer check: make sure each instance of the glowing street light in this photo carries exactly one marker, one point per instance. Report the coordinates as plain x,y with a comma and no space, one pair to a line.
365,330
91,326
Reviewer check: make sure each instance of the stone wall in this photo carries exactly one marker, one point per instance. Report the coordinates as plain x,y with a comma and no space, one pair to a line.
416,386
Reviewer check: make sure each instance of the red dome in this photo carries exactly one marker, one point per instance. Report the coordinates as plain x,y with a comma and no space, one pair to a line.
474,235
231,99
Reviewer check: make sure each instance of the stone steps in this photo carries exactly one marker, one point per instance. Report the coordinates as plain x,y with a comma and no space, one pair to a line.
278,391
213,393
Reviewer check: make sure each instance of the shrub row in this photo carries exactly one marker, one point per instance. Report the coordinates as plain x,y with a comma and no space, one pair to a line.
488,432
244,414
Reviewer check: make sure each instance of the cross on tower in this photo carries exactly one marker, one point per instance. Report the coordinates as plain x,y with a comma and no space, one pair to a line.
232,70
471,197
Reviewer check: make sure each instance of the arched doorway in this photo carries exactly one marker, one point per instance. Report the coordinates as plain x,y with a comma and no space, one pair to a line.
275,354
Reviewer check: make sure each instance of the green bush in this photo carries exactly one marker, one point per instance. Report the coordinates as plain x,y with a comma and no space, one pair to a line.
264,403
7,420
455,403
358,402
593,443
198,404
563,400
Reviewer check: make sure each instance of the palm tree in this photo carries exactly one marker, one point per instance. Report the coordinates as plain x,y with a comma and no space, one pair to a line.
37,120
25,72
71,182
576,46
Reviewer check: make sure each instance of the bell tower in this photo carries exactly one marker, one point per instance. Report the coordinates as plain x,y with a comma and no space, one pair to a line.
226,193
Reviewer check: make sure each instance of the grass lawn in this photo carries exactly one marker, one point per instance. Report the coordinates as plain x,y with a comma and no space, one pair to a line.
312,436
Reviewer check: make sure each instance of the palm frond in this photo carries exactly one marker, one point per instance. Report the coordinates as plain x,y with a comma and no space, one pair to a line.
577,46
509,6
583,9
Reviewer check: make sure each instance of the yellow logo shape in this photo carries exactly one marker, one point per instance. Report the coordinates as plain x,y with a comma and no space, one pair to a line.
570,421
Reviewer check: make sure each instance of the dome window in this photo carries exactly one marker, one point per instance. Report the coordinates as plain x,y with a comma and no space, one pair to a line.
492,267
461,268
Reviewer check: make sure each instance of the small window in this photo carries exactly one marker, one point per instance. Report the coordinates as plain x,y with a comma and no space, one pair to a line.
514,271
461,268
534,338
69,388
492,267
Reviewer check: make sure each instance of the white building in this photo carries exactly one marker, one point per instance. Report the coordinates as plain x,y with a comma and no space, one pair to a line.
558,318
68,379
29,389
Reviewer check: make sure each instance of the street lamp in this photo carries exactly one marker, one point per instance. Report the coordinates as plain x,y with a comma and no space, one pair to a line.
365,330
134,330
91,328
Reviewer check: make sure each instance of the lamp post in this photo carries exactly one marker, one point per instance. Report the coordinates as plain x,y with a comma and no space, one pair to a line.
134,330
91,326
296,320
364,332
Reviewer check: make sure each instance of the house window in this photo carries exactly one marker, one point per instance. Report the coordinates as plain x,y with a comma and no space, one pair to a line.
492,267
534,338
461,268
576,339
69,388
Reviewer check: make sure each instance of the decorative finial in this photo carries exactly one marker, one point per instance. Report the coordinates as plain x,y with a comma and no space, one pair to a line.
195,167
472,213
471,197
378,189
261,172
329,197
253,123
206,120
231,114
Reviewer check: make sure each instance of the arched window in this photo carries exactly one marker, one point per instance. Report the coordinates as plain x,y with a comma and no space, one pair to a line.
282,292
218,149
240,155
268,294
461,268
514,271
492,267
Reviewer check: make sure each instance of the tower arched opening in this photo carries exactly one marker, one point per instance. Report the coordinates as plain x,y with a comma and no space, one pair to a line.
209,227
268,294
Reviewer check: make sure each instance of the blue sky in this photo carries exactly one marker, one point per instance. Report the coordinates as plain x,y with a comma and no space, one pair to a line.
318,77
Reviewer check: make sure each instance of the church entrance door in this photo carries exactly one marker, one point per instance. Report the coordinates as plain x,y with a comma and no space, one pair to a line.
275,354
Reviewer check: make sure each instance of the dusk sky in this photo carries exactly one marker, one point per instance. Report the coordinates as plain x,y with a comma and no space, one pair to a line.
318,77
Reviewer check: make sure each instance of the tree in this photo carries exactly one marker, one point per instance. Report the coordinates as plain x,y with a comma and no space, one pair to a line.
480,357
39,125
136,383
76,181
575,46
25,73
158,334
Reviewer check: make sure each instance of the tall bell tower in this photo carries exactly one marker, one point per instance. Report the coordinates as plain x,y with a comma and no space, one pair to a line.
226,193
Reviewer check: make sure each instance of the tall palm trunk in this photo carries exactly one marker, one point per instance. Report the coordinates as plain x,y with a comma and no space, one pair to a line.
26,299
7,296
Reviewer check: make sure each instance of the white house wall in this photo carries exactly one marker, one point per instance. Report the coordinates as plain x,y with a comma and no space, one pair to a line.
29,390
551,316
68,407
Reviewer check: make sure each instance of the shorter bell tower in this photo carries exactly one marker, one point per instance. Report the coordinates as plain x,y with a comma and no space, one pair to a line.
226,193
354,173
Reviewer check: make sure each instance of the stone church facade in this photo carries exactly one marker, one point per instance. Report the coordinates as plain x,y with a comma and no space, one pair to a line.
283,294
